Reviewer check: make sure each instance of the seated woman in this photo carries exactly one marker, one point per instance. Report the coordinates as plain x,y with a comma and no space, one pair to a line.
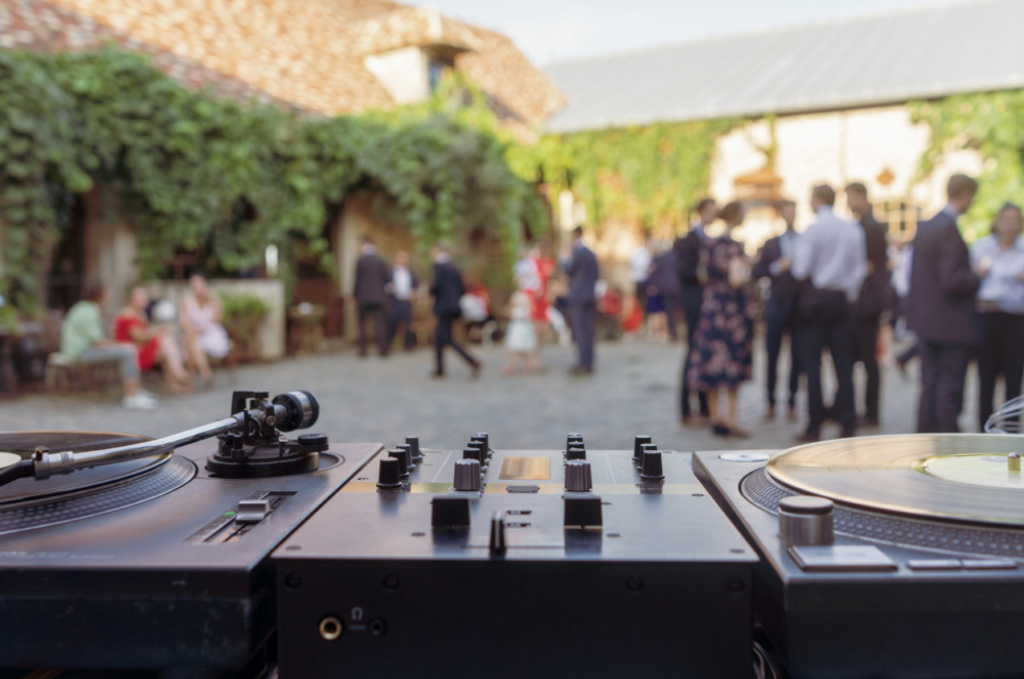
82,339
153,344
205,336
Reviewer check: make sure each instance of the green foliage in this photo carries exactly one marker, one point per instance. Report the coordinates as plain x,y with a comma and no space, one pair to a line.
200,173
641,175
991,123
243,308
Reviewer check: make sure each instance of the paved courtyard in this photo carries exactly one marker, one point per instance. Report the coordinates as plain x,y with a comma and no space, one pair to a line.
633,391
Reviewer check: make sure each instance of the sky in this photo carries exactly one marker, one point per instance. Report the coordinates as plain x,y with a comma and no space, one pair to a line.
557,30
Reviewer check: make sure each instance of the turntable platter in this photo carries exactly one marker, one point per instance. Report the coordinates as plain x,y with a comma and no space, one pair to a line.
961,477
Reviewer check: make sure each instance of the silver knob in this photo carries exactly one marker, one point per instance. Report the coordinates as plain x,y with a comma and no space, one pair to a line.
806,520
467,474
578,476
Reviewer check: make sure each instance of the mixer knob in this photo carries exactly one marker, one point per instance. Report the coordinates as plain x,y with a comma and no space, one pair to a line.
407,449
484,438
467,474
474,453
644,449
638,442
576,452
578,476
414,446
389,474
651,467
573,438
403,458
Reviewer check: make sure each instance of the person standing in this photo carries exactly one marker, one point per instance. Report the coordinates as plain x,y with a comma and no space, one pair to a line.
874,293
689,251
998,259
830,262
774,262
447,289
372,277
401,292
942,310
583,271
665,276
723,344
640,269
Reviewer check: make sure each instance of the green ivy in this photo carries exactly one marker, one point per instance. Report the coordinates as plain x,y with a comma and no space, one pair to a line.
992,124
199,172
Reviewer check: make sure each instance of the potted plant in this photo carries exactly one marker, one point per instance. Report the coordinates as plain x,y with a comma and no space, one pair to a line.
243,314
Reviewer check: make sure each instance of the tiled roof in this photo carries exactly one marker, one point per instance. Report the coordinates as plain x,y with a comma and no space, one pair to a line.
47,27
310,52
885,58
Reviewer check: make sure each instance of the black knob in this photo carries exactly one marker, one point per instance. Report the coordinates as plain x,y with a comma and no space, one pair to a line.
414,445
644,449
403,466
652,468
576,453
389,474
474,453
485,455
408,459
578,476
485,438
467,475
573,438
638,441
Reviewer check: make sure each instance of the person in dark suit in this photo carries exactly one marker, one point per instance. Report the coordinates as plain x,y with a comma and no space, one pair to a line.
942,309
874,294
583,271
666,277
372,277
688,251
774,263
447,289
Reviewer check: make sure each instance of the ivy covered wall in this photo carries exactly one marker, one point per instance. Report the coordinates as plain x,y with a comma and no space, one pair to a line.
196,171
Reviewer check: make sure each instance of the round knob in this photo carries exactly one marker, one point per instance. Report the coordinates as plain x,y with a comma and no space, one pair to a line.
467,474
644,449
651,467
638,441
573,438
403,461
806,520
407,449
389,473
484,438
474,453
578,476
414,445
576,452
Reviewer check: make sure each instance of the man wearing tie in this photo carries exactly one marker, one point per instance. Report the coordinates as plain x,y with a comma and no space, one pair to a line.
774,263
582,268
942,309
830,262
688,250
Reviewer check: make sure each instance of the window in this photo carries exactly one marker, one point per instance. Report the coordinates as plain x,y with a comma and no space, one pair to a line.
900,216
436,69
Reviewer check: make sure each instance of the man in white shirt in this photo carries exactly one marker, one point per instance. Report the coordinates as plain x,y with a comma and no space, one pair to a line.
830,261
640,270
402,290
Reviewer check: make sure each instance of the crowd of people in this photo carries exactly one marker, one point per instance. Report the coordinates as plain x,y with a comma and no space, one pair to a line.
830,286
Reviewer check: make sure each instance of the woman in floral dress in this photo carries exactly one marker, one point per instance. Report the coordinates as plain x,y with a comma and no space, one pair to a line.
723,344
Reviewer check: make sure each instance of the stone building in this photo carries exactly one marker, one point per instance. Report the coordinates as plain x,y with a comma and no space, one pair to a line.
323,57
830,98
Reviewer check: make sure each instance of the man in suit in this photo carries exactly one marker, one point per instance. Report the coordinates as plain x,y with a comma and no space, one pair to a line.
867,310
688,259
372,277
447,290
401,291
583,271
774,263
942,309
830,262
666,278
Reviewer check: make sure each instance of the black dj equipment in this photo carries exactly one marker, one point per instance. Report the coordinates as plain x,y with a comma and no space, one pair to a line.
895,556
123,552
507,563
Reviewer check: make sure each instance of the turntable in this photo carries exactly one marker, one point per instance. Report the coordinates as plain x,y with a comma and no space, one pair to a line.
120,552
515,563
894,556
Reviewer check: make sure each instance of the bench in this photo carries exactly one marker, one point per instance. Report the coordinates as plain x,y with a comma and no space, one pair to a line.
64,375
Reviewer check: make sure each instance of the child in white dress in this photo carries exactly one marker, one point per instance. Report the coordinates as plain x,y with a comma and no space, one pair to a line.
520,337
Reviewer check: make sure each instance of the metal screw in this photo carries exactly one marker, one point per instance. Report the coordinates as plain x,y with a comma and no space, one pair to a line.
292,580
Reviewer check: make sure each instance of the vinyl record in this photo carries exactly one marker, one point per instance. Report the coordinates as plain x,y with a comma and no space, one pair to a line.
16,446
965,477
